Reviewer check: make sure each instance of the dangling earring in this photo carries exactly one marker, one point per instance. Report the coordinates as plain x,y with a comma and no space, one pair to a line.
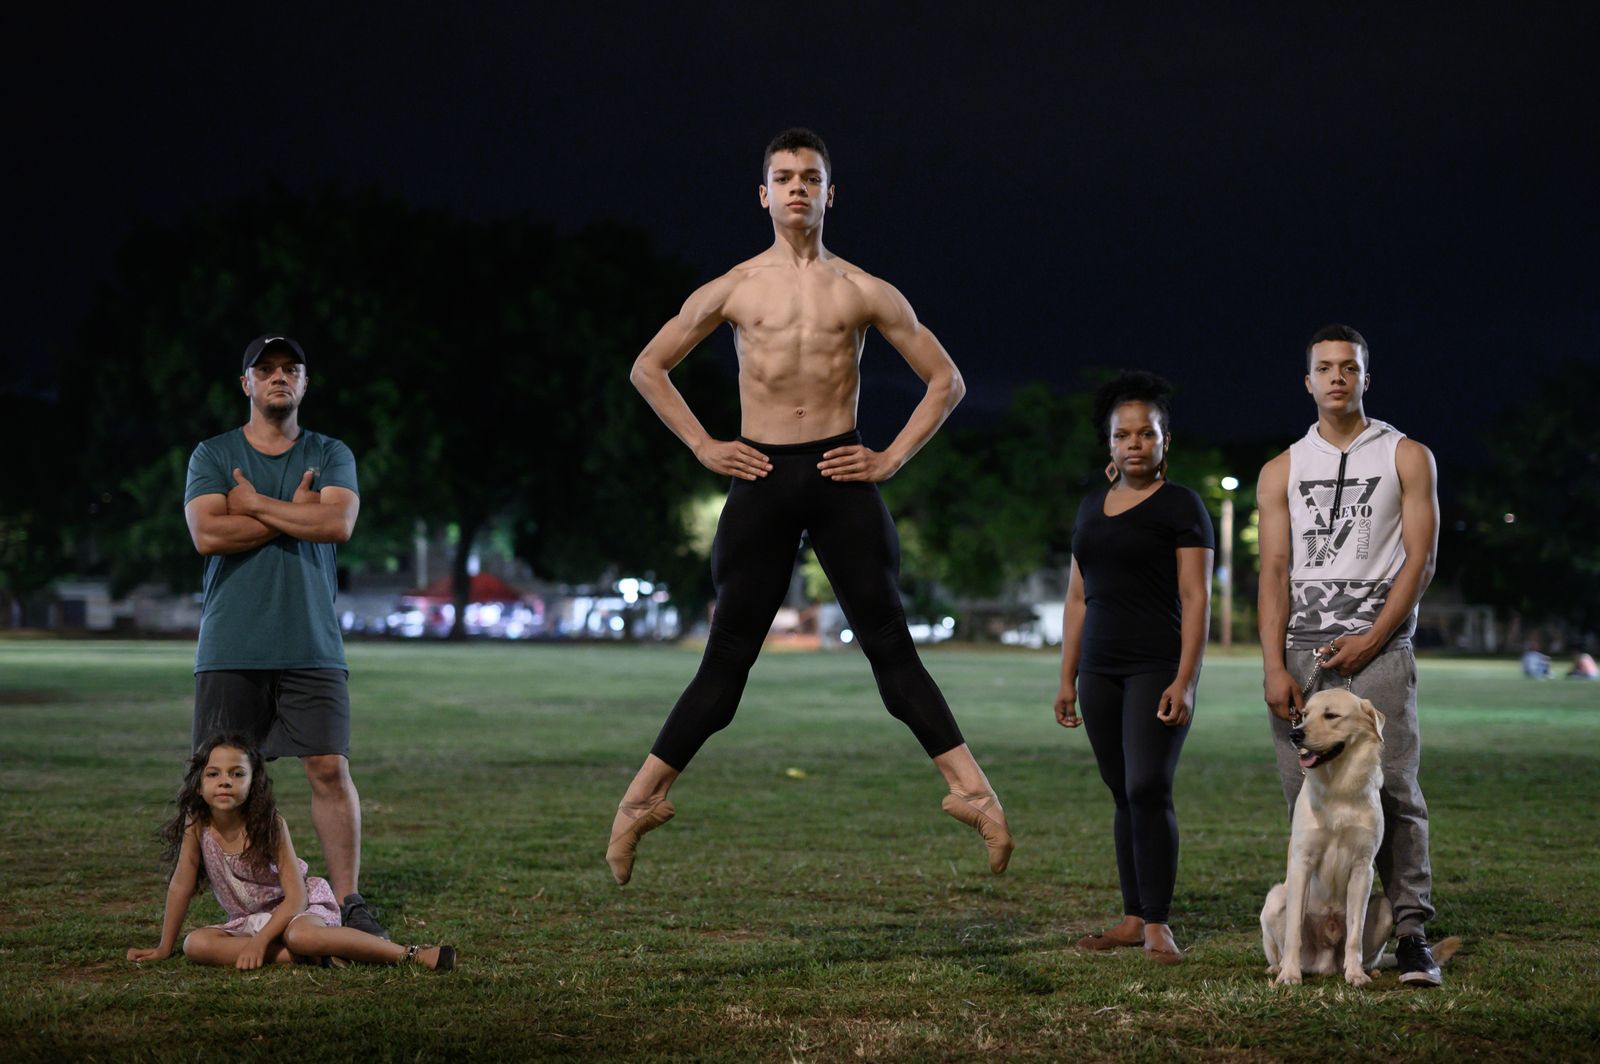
1161,470
1111,472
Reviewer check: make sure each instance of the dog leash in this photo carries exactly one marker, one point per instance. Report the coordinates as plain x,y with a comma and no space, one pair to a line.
1296,717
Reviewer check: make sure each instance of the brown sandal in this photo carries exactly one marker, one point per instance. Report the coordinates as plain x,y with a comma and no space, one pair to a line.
1100,941
445,963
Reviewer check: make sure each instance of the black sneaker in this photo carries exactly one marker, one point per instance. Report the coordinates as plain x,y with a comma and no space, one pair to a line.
1415,960
356,913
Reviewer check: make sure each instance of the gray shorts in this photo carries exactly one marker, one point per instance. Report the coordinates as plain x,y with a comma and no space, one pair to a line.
286,712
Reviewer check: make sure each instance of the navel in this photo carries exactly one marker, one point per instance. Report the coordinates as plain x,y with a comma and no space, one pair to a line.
799,411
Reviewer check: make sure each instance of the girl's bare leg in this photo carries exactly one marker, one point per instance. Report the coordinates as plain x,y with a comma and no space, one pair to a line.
207,945
309,936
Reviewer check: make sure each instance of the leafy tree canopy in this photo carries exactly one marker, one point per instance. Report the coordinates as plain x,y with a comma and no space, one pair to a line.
477,369
1532,506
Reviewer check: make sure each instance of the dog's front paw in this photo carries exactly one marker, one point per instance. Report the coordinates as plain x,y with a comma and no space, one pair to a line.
1357,977
1272,969
1288,976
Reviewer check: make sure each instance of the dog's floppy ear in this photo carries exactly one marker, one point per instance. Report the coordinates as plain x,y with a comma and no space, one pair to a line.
1377,717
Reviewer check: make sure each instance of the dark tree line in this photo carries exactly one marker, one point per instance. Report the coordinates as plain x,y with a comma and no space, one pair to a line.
986,506
479,372
1532,507
477,369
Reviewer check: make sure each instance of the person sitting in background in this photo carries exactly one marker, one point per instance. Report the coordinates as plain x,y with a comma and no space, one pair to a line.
1535,665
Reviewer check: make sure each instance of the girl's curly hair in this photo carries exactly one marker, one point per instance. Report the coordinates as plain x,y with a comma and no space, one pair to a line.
259,809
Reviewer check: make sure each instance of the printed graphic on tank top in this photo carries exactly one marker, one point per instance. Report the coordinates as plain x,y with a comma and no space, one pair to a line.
1344,521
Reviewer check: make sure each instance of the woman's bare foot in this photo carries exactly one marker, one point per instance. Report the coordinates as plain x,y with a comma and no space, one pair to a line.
1159,945
1130,932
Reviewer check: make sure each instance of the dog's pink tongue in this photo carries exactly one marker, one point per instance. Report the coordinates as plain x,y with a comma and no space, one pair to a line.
1308,760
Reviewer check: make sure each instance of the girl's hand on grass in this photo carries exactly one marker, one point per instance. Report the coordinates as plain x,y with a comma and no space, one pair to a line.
156,954
252,956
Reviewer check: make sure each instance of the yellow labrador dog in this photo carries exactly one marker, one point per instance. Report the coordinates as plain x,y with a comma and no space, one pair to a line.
1324,916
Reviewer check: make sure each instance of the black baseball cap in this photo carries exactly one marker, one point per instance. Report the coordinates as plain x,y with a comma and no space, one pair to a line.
271,342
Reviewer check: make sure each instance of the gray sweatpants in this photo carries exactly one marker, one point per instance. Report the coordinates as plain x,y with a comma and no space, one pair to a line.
1390,683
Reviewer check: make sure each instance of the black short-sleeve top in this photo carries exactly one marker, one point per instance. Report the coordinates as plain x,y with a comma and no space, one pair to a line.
1134,620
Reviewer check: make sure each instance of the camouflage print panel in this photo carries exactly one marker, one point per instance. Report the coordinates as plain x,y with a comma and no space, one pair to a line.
1321,610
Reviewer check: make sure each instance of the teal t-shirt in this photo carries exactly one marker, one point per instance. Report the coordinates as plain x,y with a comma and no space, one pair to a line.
272,607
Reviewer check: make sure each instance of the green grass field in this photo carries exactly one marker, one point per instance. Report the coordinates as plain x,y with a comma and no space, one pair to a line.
838,916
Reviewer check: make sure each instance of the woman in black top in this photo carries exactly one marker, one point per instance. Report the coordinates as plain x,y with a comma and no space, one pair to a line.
1133,633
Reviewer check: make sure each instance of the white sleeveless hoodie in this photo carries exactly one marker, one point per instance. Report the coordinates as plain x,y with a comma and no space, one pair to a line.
1344,524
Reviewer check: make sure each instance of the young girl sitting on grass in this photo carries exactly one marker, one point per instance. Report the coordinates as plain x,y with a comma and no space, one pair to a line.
227,829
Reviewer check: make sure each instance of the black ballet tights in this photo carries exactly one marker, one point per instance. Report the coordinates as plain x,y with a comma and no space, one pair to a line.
752,559
1138,756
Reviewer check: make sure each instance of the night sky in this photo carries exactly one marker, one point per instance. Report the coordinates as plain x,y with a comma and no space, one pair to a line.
1193,193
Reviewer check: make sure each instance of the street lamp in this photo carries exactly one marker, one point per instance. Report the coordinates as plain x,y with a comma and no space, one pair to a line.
1225,575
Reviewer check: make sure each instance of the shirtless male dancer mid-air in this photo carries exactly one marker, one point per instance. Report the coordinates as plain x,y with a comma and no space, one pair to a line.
800,315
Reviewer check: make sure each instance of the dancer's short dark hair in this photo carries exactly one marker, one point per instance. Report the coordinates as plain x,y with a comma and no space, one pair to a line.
1131,386
793,140
1344,334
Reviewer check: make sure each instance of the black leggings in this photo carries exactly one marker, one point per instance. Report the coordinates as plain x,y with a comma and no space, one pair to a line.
752,560
1138,756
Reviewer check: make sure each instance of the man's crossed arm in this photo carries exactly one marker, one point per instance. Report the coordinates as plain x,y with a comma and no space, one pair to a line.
244,519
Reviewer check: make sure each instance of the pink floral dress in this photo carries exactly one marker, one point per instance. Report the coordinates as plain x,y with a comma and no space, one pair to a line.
249,898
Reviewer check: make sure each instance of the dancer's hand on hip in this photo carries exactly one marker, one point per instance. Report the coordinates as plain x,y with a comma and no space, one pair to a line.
733,459
857,462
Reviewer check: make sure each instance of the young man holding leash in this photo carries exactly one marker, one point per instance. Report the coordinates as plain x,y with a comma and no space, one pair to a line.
1349,536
